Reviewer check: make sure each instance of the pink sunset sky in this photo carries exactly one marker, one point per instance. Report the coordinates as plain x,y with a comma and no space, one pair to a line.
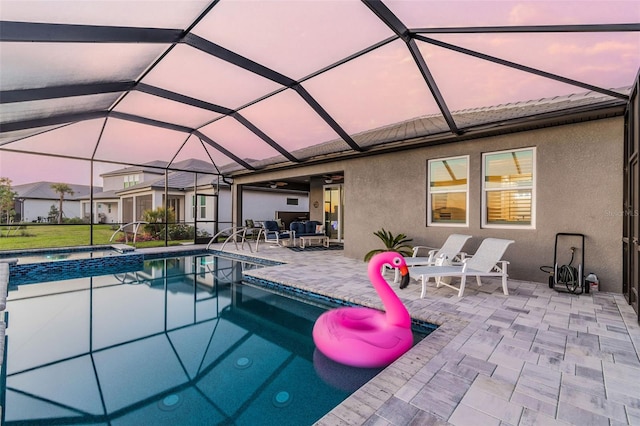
294,38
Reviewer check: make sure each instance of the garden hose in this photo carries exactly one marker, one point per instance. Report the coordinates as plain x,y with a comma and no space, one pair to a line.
564,274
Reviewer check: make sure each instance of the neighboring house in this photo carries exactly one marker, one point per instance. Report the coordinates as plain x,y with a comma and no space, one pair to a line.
196,196
106,207
34,200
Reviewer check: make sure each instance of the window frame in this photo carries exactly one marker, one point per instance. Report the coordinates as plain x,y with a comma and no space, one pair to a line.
532,188
202,207
430,221
131,180
198,206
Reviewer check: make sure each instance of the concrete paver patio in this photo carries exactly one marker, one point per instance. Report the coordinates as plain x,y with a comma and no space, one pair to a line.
534,357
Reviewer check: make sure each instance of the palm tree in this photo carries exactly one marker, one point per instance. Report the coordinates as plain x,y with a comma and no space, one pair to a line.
61,188
156,219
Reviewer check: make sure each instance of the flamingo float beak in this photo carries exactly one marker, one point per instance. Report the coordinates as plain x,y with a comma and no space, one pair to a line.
404,276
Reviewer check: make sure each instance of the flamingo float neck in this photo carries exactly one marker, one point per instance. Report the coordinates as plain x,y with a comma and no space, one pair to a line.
396,312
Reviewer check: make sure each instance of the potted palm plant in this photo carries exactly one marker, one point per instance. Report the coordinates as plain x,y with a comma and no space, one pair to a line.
397,243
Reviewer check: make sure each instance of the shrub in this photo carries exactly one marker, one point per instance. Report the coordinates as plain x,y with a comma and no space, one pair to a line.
396,243
203,233
74,220
156,220
141,237
181,232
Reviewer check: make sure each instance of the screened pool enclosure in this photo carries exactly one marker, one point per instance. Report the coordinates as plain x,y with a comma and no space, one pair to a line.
252,87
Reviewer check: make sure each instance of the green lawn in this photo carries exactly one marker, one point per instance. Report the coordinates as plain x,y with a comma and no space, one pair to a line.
44,236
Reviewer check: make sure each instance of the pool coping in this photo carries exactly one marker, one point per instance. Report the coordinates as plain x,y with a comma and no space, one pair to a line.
72,249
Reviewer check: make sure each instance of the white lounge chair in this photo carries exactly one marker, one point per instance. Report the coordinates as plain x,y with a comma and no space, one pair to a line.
486,262
450,252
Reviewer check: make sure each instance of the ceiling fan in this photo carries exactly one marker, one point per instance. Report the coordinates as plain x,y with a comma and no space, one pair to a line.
275,185
332,178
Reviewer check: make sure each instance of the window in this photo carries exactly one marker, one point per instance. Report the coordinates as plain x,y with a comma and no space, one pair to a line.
127,209
203,207
447,191
508,188
292,201
143,203
131,180
202,203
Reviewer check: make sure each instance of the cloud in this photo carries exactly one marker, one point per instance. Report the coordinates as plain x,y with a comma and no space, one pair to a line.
564,49
612,46
599,48
522,14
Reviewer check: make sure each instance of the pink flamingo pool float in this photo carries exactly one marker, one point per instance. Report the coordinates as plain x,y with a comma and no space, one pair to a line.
364,337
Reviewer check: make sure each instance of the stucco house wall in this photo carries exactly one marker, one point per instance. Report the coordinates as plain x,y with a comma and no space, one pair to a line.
106,211
579,190
34,208
263,205
258,206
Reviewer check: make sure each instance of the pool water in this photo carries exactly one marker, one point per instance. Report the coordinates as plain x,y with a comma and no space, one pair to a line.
182,341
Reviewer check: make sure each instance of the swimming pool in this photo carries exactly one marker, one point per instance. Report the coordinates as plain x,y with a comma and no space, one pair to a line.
180,341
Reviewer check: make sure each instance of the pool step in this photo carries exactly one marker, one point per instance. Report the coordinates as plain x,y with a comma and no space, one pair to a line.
122,248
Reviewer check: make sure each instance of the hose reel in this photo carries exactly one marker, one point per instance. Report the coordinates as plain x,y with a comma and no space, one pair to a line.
567,277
